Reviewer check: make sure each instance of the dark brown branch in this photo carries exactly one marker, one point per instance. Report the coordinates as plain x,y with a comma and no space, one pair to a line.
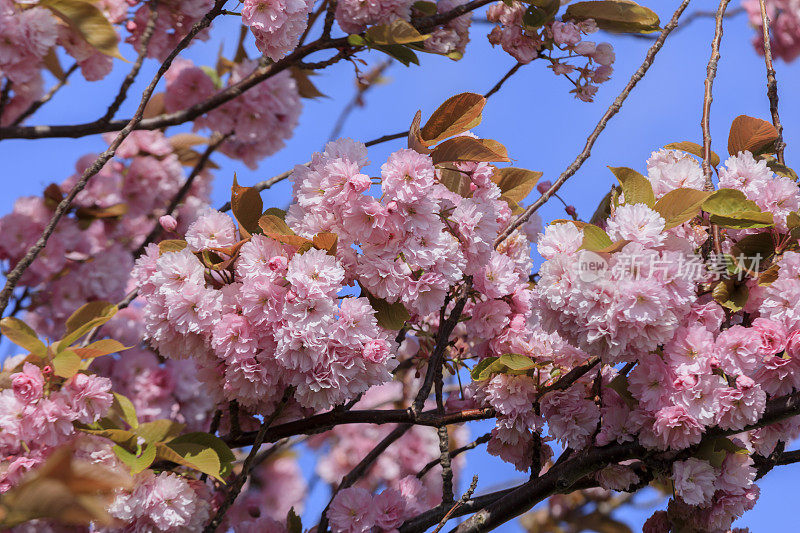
500,83
260,74
325,421
461,501
238,483
772,84
13,277
122,94
610,112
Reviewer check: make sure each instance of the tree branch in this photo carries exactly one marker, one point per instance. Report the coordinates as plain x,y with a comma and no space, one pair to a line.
711,72
772,84
610,112
47,97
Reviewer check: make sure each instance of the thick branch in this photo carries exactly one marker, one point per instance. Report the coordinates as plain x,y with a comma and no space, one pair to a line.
610,112
325,421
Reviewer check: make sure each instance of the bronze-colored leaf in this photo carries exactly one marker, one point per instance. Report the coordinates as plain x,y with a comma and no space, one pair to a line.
680,205
751,134
305,87
623,16
694,149
456,115
53,65
415,141
88,22
469,149
516,183
112,211
171,245
455,180
155,106
398,31
246,205
326,241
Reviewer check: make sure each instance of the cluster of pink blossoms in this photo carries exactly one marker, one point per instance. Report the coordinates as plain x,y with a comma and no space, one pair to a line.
784,27
38,412
357,510
29,35
257,123
276,25
691,365
526,44
174,20
278,322
90,252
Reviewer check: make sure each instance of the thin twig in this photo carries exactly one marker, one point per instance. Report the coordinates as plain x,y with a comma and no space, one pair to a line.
47,97
500,83
483,439
610,112
122,94
238,483
263,185
708,97
19,269
362,87
184,190
772,84
461,501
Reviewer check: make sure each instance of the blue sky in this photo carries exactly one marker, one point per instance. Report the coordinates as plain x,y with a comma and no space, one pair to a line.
534,115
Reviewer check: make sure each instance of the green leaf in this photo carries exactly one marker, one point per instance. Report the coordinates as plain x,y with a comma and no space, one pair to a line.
730,295
196,456
595,238
636,188
745,220
66,364
85,319
793,220
510,363
516,183
124,408
101,348
729,203
355,40
469,149
694,149
751,134
22,335
137,463
159,430
171,245
680,205
89,22
777,168
456,115
246,205
389,315
226,456
403,54
398,31
123,437
623,16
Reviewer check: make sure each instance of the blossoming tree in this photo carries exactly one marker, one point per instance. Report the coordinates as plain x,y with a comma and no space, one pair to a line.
171,356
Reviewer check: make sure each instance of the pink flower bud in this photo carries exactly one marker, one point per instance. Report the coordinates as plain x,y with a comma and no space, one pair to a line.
543,186
168,222
570,209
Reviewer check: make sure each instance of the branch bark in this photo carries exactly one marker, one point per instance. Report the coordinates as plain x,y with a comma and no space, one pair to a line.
772,84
